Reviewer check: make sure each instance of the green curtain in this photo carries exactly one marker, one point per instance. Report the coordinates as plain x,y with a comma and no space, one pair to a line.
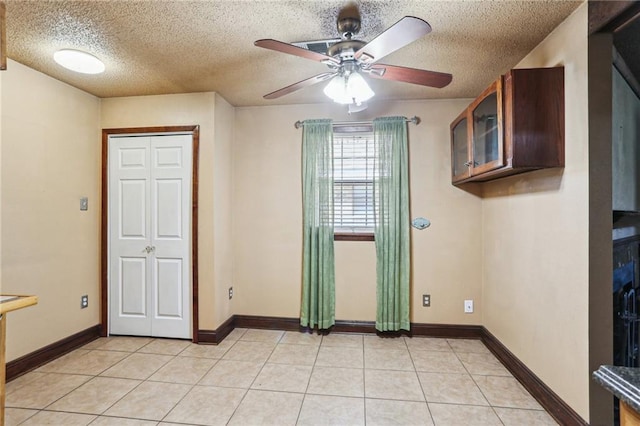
318,276
392,224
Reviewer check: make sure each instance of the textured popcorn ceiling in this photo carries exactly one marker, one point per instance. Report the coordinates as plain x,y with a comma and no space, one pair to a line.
158,47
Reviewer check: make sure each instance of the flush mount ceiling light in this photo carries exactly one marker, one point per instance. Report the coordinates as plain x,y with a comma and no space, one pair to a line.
79,61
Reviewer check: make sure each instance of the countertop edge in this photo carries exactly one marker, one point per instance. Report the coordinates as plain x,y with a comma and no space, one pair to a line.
611,378
20,301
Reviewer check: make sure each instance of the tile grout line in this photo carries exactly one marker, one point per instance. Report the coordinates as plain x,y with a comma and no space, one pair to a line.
79,386
304,394
62,411
98,375
34,414
187,392
420,381
92,378
500,376
139,384
125,395
478,386
254,379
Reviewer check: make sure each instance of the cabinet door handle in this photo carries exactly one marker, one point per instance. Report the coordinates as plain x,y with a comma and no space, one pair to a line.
468,164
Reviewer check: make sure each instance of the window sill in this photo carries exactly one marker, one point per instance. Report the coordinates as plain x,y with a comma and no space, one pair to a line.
351,236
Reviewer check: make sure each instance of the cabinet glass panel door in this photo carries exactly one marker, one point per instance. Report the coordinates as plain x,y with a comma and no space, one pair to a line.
459,150
486,140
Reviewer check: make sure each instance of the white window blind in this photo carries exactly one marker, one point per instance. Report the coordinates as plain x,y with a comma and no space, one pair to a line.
354,197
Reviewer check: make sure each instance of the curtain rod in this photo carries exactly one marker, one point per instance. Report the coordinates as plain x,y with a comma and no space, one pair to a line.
415,120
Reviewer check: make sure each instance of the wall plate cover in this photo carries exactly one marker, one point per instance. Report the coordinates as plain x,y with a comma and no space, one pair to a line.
426,300
468,306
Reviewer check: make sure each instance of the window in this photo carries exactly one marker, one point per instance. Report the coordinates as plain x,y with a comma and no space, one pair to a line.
354,200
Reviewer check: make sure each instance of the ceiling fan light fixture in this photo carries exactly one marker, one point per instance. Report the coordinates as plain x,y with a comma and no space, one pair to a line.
353,108
348,89
358,89
79,61
336,90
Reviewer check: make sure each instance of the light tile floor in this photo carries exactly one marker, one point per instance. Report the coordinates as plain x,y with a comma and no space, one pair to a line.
267,377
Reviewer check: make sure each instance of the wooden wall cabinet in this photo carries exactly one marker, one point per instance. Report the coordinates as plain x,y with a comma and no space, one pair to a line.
3,36
516,125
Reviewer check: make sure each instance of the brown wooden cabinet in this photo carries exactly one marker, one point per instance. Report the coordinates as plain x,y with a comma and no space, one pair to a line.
628,416
514,126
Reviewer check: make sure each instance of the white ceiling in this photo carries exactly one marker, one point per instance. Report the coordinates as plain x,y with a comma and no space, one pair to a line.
159,47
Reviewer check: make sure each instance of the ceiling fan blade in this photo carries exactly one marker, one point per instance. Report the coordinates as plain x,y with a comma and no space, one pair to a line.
410,75
400,34
290,49
299,85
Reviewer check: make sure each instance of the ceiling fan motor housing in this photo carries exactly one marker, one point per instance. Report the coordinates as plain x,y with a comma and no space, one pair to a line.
344,50
348,27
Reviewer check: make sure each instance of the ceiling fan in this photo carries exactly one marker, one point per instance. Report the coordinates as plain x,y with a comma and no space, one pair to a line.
348,59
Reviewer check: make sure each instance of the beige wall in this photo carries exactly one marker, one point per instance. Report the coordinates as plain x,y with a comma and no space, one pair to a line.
190,109
222,213
267,222
50,158
536,230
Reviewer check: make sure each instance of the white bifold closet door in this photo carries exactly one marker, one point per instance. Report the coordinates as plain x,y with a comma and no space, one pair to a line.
149,235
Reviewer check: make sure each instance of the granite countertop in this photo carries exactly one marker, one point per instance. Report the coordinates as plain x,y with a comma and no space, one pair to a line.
623,382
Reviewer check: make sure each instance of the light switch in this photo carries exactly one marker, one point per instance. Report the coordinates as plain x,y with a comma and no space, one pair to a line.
84,203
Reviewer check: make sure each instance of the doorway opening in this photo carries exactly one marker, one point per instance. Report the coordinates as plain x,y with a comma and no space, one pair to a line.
613,150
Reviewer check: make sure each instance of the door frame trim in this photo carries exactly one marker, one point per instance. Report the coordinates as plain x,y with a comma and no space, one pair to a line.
104,224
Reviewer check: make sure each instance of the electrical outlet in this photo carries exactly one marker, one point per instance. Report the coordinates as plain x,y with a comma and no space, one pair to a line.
84,301
230,293
84,204
468,306
426,300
